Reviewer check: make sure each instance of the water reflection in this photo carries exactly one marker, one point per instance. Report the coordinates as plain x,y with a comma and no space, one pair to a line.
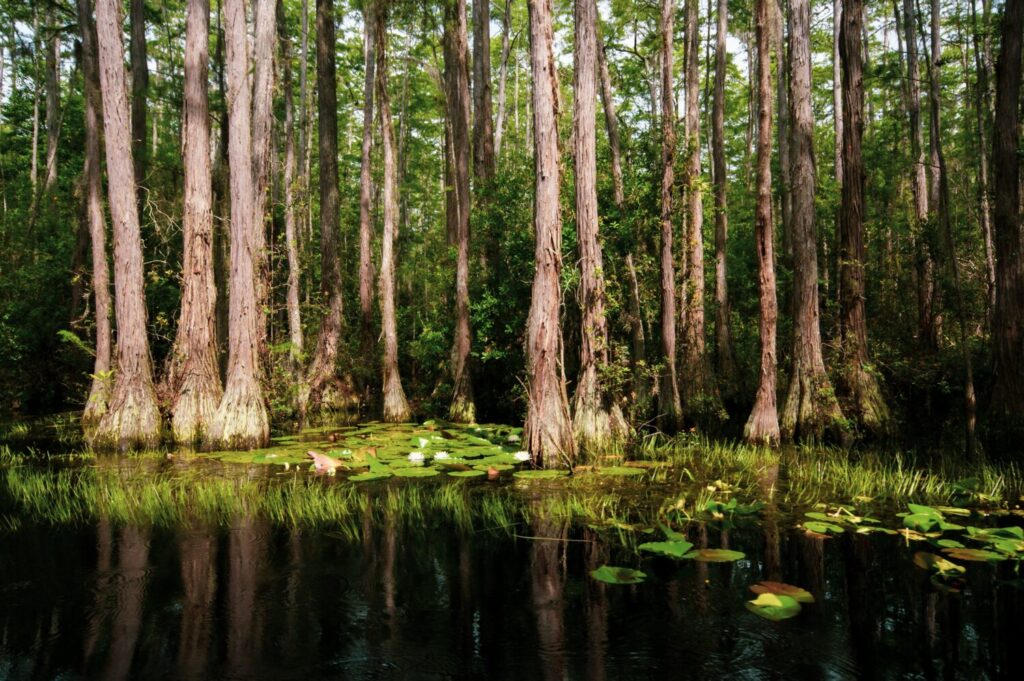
403,600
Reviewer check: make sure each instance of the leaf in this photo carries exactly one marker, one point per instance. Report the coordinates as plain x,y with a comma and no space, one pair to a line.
467,474
669,549
714,555
415,472
782,589
933,563
949,544
974,555
917,509
366,477
823,528
922,522
620,471
774,607
671,534
542,474
617,575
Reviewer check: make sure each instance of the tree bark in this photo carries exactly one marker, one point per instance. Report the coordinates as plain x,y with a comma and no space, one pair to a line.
193,377
483,129
132,418
292,214
595,425
241,421
548,430
981,109
396,408
99,390
724,350
860,382
699,393
1007,322
366,275
53,113
763,425
778,40
264,26
506,49
140,89
324,390
811,411
456,80
669,402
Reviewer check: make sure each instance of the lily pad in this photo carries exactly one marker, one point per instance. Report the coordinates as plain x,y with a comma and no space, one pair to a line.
370,475
974,555
669,549
823,527
617,575
782,589
418,472
774,607
467,474
620,471
934,563
496,466
715,555
542,474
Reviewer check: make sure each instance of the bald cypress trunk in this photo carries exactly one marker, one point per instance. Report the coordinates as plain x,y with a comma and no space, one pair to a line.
140,88
292,213
860,383
264,26
669,402
483,128
724,351
366,335
1008,320
99,390
506,49
456,81
193,376
241,421
595,424
132,418
548,430
396,408
763,425
53,113
811,411
699,392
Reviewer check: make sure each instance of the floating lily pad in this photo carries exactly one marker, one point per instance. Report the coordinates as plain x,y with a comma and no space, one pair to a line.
669,549
621,471
974,555
420,472
542,474
782,589
617,575
715,555
774,607
467,474
371,475
496,466
823,527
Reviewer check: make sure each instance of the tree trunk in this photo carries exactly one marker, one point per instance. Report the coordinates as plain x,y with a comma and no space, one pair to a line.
593,424
396,408
548,430
763,425
241,421
132,418
669,402
324,390
981,109
140,89
53,113
1007,322
193,377
366,335
699,392
811,411
99,391
483,131
506,49
837,89
724,351
456,82
860,382
292,215
778,39
264,26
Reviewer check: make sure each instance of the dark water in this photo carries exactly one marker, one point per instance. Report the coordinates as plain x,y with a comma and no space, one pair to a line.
425,602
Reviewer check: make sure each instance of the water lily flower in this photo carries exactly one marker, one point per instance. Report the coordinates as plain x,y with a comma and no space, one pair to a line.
415,456
441,455
522,456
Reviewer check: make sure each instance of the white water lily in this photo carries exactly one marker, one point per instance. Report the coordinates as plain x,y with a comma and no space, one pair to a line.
415,456
522,456
441,455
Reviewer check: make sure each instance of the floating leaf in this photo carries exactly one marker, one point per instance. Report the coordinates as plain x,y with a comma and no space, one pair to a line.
949,544
823,528
620,471
496,466
929,561
669,549
975,555
415,472
542,474
371,475
774,607
671,534
715,555
782,589
617,575
467,474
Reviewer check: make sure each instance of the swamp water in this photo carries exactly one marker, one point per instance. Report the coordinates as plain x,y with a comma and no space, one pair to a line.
152,567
